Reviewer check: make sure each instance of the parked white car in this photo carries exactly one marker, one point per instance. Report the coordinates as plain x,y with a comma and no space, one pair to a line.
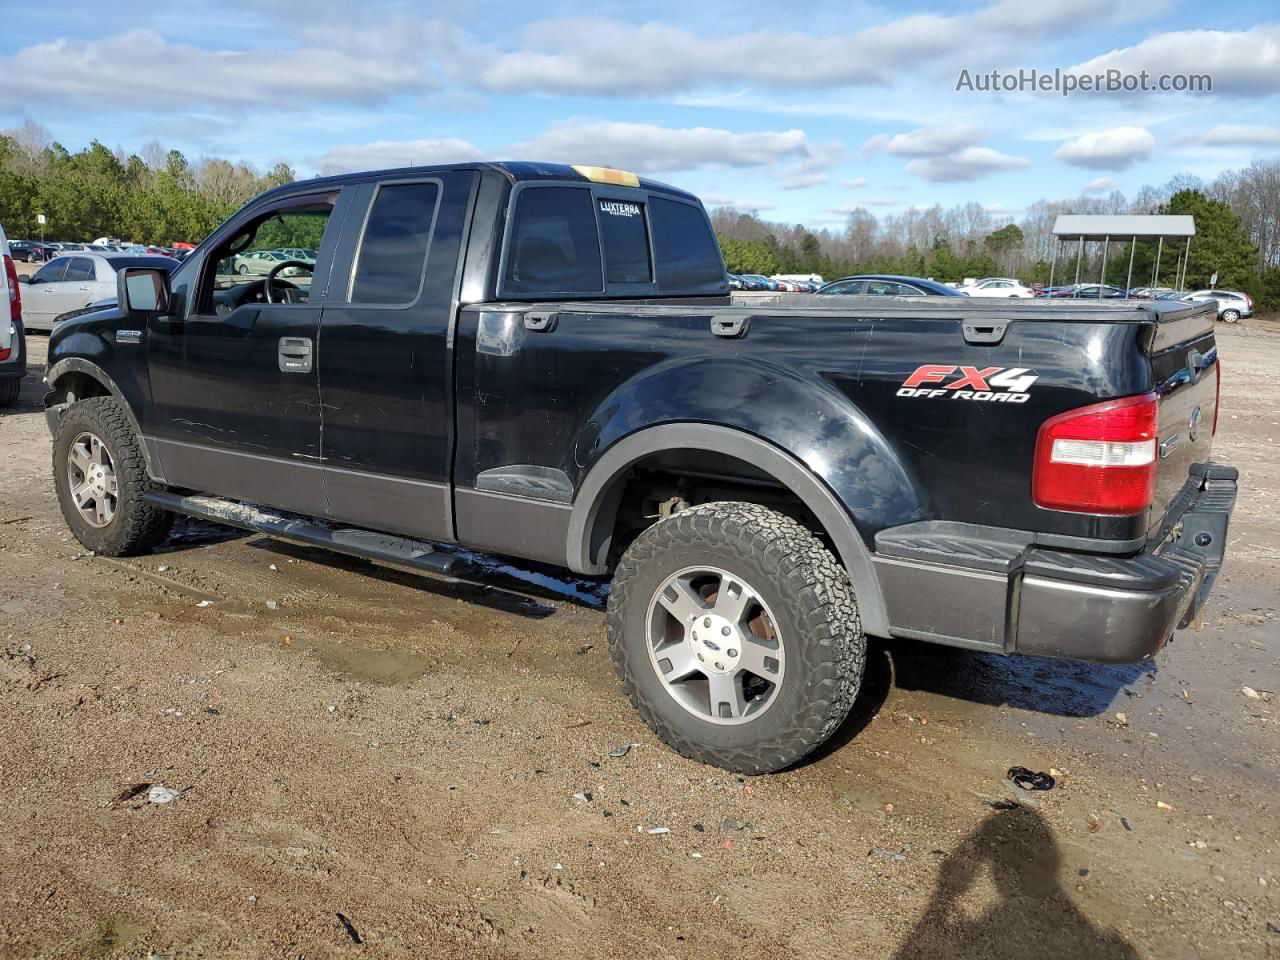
1232,304
13,353
997,287
72,282
262,262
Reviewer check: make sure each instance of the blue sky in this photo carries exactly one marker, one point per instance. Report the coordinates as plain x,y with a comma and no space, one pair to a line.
800,116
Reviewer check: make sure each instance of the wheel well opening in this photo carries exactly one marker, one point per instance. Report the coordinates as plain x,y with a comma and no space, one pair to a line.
658,485
77,385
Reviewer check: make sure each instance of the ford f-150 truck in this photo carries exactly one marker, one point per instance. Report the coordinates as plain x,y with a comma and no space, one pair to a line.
545,362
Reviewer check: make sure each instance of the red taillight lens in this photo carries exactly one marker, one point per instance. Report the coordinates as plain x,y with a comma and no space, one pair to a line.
15,290
1098,459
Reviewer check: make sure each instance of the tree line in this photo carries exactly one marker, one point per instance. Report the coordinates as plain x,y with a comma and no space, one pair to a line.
157,197
1237,237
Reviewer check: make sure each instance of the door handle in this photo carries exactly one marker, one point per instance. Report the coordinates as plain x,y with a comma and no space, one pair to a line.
294,354
84,288
539,322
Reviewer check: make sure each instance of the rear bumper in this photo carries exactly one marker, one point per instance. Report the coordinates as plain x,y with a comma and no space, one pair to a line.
16,363
995,589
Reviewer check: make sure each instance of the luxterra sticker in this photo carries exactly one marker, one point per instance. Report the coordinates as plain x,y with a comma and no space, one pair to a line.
990,384
620,208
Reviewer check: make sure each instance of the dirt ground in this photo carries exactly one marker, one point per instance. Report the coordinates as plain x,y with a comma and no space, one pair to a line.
372,762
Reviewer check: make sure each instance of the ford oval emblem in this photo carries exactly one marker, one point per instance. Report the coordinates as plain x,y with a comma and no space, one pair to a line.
1193,427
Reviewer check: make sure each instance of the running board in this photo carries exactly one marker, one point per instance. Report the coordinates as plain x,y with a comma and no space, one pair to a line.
368,544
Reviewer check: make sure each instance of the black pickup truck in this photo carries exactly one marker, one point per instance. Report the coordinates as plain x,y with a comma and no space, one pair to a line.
545,362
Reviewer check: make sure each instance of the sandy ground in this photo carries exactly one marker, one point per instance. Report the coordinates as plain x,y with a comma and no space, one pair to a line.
372,762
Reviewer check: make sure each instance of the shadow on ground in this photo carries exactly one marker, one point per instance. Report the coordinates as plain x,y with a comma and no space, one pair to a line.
1035,916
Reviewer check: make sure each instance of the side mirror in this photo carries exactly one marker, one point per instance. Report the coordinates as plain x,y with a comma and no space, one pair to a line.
140,290
24,278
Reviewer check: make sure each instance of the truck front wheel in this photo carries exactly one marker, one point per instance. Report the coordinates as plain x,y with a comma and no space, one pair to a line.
101,477
735,634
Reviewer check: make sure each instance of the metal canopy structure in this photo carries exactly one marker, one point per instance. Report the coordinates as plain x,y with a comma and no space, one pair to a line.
1106,227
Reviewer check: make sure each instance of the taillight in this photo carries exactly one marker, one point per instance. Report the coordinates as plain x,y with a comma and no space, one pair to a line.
1248,300
15,302
1098,459
15,289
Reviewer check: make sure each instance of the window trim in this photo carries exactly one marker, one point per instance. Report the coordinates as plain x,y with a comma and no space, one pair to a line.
598,192
363,229
307,197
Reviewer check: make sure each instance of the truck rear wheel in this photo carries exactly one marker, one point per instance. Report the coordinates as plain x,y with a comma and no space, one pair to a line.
101,477
10,387
736,636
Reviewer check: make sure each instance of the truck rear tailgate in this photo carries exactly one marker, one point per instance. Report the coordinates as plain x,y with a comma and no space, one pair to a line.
1187,374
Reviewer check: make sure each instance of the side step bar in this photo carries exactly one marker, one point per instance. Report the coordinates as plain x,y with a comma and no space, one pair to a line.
415,554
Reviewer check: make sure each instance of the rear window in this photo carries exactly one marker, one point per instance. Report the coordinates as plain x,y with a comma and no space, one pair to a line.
393,252
554,245
688,257
626,241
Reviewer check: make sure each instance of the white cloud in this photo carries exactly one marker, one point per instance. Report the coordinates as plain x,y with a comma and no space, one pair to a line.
1232,134
1114,149
119,72
604,57
1241,62
802,181
971,163
926,141
742,206
649,148
399,153
856,182
642,147
1101,185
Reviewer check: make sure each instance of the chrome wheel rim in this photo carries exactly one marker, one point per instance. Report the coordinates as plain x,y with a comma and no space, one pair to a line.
91,478
715,646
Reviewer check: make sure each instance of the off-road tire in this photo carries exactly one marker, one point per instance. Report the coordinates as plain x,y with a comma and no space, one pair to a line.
1230,316
137,525
812,603
10,387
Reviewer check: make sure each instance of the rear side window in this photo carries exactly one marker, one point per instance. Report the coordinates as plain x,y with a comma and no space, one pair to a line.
393,250
626,241
80,268
554,244
688,257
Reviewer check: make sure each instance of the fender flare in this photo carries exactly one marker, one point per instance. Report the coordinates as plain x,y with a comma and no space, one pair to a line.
597,496
92,370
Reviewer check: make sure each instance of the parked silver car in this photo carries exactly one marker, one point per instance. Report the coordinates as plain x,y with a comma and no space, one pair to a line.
68,283
1232,304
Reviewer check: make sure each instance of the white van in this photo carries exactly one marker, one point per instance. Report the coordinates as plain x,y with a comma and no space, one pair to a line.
13,350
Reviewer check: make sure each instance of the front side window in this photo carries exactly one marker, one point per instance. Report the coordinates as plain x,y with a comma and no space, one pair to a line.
241,264
554,246
393,250
53,271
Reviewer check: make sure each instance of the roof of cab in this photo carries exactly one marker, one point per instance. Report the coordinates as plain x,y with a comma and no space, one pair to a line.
513,170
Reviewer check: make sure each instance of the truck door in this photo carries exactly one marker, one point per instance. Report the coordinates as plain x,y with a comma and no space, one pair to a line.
235,405
385,356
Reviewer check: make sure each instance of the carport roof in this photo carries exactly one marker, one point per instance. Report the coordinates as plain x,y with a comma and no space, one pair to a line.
1071,226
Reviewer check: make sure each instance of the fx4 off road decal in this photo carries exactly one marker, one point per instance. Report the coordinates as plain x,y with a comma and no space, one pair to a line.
992,384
